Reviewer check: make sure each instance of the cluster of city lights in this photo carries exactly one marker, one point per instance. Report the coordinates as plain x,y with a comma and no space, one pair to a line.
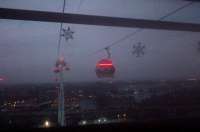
122,116
13,104
104,120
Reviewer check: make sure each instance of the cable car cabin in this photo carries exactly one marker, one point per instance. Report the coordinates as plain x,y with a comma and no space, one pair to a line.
105,69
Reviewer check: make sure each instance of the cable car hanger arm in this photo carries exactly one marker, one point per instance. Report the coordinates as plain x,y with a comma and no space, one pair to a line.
30,15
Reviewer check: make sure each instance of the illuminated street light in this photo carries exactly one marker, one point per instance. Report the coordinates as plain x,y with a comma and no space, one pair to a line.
46,124
99,120
102,120
118,116
84,122
124,115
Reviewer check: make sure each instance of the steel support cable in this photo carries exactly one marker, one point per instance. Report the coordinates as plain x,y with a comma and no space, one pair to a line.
80,4
140,29
61,25
60,31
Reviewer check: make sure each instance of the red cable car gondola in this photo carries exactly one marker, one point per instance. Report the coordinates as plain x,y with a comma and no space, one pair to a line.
105,68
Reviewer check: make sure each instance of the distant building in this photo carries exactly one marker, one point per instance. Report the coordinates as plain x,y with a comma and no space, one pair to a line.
87,104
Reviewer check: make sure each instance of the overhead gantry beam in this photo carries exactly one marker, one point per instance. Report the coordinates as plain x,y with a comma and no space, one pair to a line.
43,16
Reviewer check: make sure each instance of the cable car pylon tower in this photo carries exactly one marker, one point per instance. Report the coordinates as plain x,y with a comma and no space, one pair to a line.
60,67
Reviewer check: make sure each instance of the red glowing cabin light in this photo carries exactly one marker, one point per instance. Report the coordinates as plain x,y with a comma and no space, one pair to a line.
105,68
105,63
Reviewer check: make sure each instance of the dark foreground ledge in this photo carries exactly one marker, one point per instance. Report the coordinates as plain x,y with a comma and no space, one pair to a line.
165,125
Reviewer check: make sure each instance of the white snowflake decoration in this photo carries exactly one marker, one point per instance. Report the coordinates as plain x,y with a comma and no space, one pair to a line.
67,33
138,50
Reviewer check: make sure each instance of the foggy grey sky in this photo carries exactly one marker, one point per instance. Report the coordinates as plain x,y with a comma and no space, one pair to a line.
28,49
